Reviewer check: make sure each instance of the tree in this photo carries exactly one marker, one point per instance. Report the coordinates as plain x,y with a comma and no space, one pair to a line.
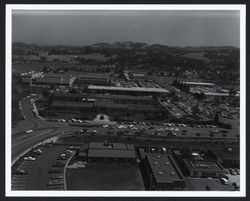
199,96
208,188
196,109
232,93
217,117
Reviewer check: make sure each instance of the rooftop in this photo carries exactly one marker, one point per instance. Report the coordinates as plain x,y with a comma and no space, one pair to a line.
200,83
96,145
203,165
105,96
163,167
112,150
72,104
111,153
135,89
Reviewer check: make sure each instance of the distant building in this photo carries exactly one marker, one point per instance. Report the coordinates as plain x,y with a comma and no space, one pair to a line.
162,172
48,80
200,84
139,76
139,91
92,79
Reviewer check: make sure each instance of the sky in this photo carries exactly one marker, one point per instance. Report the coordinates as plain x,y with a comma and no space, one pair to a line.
172,28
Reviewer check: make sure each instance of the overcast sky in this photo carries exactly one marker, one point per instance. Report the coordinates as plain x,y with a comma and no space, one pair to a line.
173,28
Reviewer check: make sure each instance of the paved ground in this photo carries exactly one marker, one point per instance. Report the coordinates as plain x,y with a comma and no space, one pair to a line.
41,130
200,184
105,176
38,177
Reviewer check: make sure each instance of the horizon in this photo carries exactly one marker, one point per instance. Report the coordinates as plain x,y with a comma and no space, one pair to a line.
174,46
171,28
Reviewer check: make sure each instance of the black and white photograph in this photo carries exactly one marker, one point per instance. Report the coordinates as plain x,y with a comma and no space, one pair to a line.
125,100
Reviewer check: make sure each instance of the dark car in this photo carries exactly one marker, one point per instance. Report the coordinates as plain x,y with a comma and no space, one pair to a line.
55,171
20,172
232,171
55,183
58,164
56,177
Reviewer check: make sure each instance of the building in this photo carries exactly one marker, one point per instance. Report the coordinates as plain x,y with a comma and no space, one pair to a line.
92,79
200,84
162,172
138,91
115,152
122,107
204,168
228,157
49,80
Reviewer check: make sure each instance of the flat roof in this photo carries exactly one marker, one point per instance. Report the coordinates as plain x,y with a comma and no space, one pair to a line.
203,165
111,153
135,89
163,169
105,96
218,94
200,83
115,146
91,77
72,104
79,104
89,74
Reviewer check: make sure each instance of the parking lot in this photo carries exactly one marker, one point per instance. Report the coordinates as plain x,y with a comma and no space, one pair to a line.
34,170
162,129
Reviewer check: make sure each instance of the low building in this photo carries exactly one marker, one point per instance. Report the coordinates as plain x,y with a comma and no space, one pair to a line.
162,172
109,152
228,157
204,168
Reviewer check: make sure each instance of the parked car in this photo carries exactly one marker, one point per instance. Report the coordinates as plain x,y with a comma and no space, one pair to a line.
55,171
56,177
38,151
224,181
55,183
20,172
232,171
58,164
29,131
29,158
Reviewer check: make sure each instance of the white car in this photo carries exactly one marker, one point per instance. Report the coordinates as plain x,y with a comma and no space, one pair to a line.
29,131
29,158
38,151
224,181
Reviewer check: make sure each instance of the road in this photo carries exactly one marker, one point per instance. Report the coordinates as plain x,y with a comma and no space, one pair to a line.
42,130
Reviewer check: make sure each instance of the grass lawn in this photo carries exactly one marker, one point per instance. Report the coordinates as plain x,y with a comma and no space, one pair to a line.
105,176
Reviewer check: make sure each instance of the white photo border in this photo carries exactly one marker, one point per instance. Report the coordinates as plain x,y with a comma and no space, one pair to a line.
203,7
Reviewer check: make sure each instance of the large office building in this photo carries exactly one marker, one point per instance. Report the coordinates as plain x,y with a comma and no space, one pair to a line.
118,107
